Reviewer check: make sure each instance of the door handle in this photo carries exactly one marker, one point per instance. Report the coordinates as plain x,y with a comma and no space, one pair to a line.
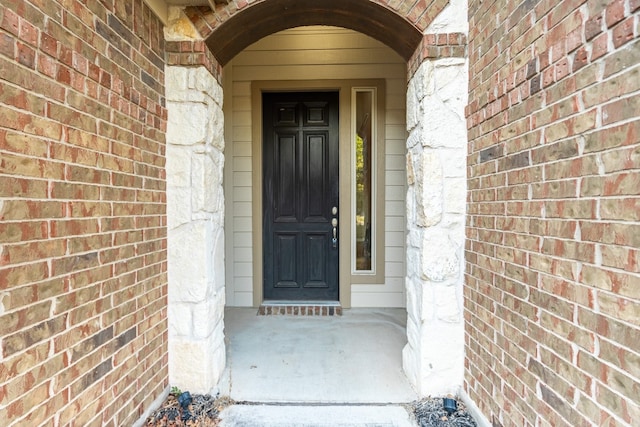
334,224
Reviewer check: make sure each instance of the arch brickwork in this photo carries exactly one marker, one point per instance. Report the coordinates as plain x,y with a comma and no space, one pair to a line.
231,27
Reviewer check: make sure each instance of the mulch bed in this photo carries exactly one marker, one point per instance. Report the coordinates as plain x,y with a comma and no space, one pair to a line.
202,411
430,412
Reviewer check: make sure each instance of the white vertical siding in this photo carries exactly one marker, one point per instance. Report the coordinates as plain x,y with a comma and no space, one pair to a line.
315,53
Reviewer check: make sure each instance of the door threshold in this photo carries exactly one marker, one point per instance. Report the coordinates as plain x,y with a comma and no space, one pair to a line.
300,308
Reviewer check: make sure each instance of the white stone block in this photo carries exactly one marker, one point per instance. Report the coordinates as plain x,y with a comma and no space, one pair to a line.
425,81
178,206
414,138
178,165
440,255
427,303
414,300
429,191
454,161
218,360
433,358
414,243
207,316
451,83
410,207
205,181
454,224
420,302
441,356
453,19
411,175
180,319
187,123
409,365
201,80
187,261
218,262
447,307
413,333
441,127
413,105
175,79
215,127
195,365
455,190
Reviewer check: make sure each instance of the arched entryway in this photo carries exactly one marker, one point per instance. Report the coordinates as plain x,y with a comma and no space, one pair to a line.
228,30
431,39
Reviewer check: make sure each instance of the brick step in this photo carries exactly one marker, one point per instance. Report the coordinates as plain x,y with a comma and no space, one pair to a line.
300,309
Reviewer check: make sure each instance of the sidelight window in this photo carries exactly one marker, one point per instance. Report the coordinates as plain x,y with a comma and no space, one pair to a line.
363,246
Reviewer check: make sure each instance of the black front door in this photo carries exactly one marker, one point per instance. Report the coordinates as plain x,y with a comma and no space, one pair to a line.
300,195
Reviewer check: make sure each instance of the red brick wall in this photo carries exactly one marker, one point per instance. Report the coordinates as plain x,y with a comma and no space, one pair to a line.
83,333
553,274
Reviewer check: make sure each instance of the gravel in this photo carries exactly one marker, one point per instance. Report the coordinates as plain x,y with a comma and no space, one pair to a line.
430,413
202,411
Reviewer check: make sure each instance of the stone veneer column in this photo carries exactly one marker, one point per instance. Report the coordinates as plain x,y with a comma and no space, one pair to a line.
433,359
195,220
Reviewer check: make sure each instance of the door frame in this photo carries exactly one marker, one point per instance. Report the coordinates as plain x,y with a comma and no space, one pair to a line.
343,87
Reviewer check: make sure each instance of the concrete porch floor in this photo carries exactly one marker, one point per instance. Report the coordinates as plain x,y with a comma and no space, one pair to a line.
353,358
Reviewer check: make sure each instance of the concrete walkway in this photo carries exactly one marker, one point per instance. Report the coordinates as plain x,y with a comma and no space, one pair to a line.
316,371
316,416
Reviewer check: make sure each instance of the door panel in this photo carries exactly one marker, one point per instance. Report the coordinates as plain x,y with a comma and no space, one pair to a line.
300,187
316,177
286,248
316,254
285,197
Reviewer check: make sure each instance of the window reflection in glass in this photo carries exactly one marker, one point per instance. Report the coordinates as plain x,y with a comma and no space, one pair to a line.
363,179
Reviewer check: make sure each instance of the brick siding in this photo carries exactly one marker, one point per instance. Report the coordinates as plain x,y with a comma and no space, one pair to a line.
436,46
83,286
552,298
192,54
